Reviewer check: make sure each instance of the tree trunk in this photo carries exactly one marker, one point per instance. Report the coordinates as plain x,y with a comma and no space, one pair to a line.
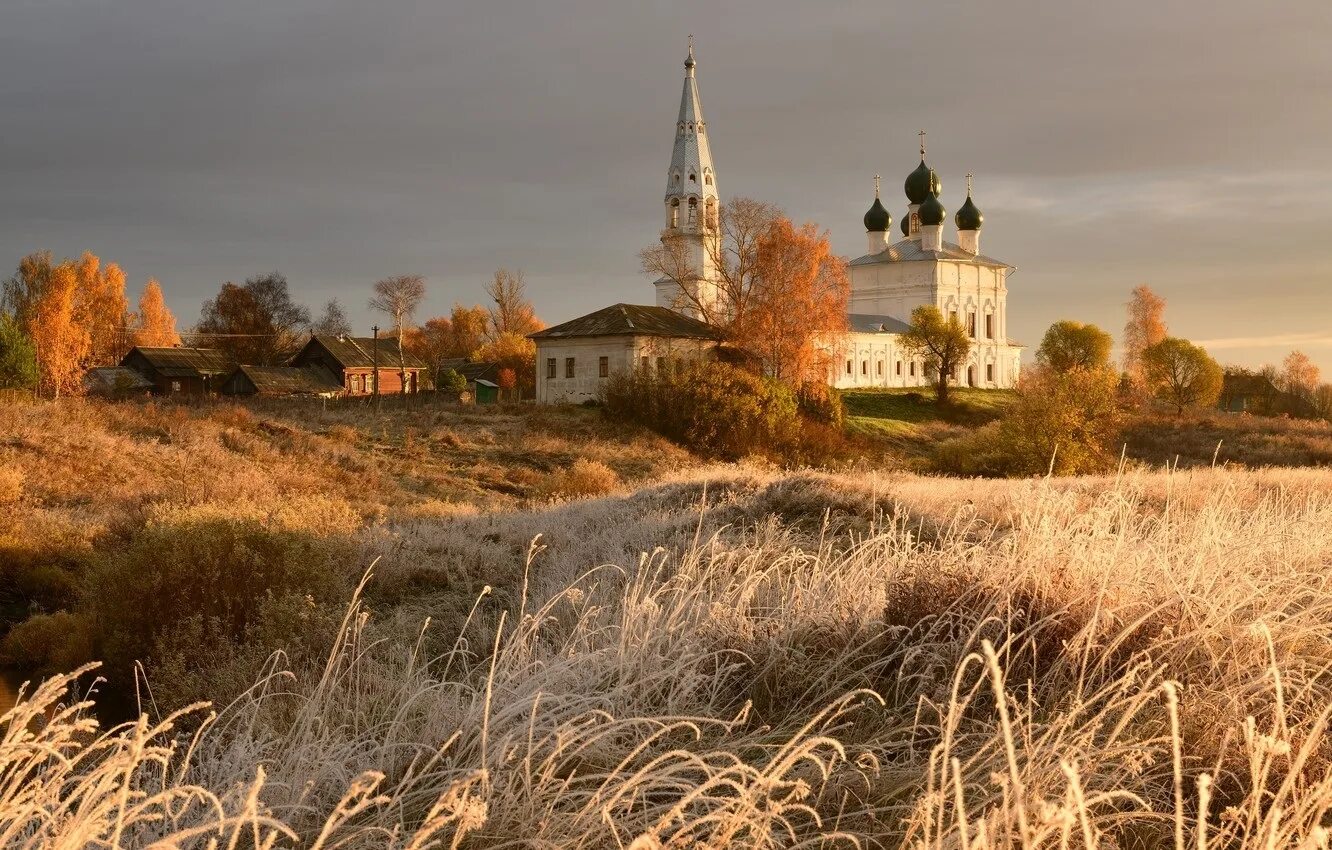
941,388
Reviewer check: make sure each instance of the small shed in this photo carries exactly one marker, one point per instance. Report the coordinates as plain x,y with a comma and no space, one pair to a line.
116,382
314,381
487,392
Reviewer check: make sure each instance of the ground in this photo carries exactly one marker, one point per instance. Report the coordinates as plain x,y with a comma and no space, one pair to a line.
656,652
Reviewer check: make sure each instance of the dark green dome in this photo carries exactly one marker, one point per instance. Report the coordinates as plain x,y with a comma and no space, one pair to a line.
921,184
877,218
932,211
969,216
906,226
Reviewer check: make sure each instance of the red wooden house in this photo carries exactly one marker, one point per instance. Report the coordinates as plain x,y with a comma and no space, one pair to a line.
352,363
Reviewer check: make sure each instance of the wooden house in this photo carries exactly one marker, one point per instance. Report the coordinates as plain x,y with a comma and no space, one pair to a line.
313,381
351,361
180,370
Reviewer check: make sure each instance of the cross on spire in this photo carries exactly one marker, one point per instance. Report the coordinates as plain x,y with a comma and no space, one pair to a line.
876,185
922,145
969,184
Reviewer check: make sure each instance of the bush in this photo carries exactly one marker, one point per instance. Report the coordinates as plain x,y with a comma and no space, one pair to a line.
716,409
583,478
1066,421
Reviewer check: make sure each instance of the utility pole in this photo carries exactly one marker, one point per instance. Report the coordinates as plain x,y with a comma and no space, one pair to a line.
374,363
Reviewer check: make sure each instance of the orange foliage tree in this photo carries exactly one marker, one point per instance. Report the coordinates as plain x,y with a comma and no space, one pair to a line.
155,325
101,308
1299,375
1145,328
42,296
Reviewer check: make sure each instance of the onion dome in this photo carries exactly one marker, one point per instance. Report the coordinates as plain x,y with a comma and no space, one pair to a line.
878,219
932,211
922,183
969,216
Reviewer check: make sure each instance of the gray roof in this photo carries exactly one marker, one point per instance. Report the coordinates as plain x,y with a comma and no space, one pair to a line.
358,351
182,362
631,320
909,251
115,378
290,380
870,323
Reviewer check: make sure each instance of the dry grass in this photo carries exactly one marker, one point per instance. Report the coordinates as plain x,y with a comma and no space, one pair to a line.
772,661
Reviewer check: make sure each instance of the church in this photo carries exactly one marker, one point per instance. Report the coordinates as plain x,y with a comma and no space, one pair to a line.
892,278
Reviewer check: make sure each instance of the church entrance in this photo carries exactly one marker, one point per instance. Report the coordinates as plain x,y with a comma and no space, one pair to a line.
971,376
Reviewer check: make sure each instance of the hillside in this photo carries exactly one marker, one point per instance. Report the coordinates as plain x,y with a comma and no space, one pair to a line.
705,656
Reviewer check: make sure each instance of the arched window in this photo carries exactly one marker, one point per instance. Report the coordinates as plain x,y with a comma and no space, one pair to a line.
693,210
675,212
693,178
711,219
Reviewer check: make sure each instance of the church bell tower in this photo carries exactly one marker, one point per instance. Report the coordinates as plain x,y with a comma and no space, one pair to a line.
692,234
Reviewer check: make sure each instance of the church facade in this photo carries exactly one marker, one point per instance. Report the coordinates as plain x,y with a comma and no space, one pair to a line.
892,278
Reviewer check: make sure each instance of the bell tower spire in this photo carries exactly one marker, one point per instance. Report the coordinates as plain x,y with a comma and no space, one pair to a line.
692,205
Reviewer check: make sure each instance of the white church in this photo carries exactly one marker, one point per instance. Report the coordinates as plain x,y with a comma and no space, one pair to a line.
575,358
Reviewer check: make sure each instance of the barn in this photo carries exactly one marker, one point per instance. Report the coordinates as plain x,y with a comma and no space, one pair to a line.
281,381
352,362
180,370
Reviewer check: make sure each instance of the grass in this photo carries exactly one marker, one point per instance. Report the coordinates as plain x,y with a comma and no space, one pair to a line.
967,405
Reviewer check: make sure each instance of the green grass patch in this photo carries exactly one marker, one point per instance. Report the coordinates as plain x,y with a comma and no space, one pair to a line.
967,405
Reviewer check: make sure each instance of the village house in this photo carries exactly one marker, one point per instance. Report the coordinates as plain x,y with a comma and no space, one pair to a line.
282,381
180,370
352,363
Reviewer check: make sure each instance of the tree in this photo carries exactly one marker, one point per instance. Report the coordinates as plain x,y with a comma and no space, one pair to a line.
450,381
508,382
333,322
156,326
514,353
18,360
511,312
1299,375
61,343
1181,373
1073,345
781,293
398,297
1322,401
257,321
942,343
468,327
1145,328
101,308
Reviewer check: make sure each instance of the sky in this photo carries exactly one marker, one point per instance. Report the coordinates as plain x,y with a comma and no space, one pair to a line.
1175,144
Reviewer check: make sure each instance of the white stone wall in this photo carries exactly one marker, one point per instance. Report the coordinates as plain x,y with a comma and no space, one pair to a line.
865,360
621,353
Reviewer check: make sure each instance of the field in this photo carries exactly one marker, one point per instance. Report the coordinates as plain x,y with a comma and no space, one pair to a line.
681,655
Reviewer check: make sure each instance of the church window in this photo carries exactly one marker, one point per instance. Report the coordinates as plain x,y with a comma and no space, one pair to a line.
707,179
899,368
913,368
989,326
864,367
848,367
878,367
568,367
693,210
550,368
675,212
971,324
693,178
989,373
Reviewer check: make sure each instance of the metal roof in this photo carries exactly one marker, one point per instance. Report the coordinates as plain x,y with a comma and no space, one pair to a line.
871,323
290,380
115,378
909,251
183,362
358,351
631,320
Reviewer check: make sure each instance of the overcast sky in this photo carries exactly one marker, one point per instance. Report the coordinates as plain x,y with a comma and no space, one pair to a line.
1179,144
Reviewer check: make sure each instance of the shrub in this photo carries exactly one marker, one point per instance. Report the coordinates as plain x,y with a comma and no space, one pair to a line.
11,485
713,408
583,478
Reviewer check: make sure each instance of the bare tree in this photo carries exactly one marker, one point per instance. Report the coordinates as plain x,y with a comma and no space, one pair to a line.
512,313
333,322
398,297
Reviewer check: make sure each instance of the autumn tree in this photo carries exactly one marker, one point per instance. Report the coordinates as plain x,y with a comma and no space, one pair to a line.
1074,345
781,293
1322,401
942,343
508,382
333,321
155,326
510,311
18,360
1299,375
257,322
514,353
101,308
1145,328
1063,421
1181,373
398,297
41,297
468,327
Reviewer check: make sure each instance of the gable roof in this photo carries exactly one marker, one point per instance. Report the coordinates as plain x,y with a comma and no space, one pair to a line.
631,320
183,362
290,380
117,378
910,251
872,323
357,352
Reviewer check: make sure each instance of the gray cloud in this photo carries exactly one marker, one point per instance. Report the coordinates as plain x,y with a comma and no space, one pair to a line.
1165,143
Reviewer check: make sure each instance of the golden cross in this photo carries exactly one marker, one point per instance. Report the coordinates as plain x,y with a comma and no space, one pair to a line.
876,185
969,185
922,144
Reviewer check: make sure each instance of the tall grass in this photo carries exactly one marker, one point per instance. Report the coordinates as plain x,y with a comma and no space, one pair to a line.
1139,661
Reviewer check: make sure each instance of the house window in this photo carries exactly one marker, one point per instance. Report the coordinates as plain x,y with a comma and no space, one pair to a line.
989,326
661,364
568,367
603,367
989,373
175,386
550,368
848,367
